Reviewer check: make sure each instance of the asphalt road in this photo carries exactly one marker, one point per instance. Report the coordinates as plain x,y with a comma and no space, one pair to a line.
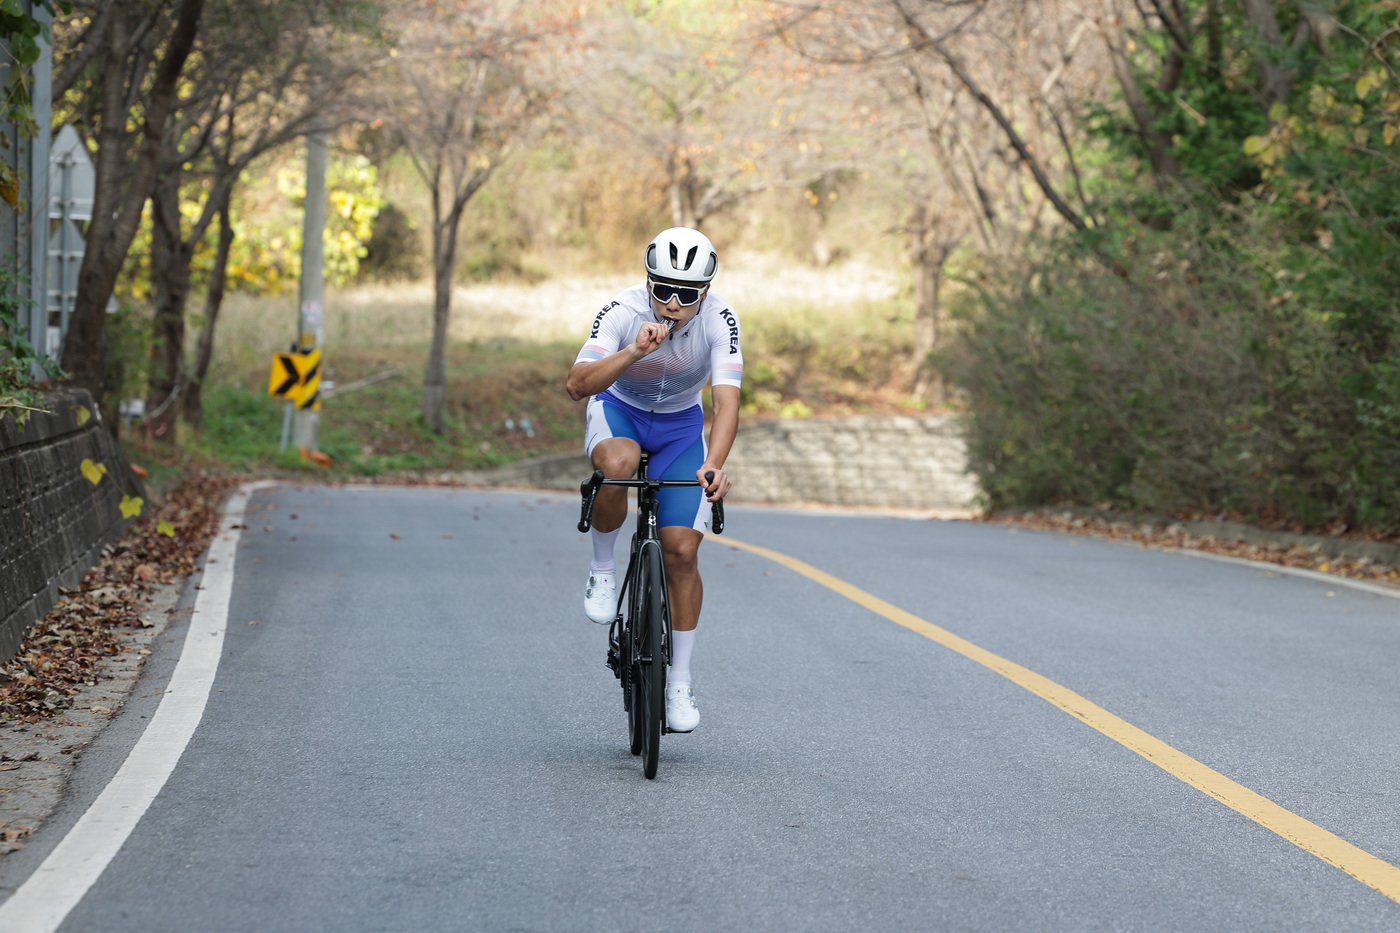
412,728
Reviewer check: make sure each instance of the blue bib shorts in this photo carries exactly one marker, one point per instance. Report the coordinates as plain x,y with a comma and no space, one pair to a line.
674,440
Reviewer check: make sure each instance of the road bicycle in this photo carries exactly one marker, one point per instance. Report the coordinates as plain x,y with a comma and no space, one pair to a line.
639,639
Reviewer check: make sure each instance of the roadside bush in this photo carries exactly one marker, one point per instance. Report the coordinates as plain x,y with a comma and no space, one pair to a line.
394,252
1187,373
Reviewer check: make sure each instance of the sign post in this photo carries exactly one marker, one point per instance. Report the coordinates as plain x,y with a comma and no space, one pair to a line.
40,172
72,186
311,329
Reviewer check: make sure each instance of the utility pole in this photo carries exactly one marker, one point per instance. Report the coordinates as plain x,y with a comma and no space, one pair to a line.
311,330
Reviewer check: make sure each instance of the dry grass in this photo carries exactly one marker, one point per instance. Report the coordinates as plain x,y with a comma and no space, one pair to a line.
816,342
768,294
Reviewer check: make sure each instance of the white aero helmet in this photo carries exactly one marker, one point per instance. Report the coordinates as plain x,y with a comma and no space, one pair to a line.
682,255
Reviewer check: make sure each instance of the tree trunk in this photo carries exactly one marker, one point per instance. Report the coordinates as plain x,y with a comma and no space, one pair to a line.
928,257
122,185
681,192
1274,79
435,374
673,191
193,400
170,281
1156,142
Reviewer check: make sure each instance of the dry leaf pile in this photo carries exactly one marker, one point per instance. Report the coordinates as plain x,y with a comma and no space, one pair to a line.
63,650
1179,535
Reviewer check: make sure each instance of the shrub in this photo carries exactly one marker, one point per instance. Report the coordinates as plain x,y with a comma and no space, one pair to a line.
1186,370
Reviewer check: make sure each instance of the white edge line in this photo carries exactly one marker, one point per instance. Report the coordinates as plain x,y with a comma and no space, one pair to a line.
56,886
1317,575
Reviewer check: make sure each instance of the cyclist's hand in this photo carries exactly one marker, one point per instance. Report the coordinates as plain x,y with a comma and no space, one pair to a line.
718,487
651,336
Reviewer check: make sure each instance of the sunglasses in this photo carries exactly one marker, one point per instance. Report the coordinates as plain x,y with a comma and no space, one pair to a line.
686,295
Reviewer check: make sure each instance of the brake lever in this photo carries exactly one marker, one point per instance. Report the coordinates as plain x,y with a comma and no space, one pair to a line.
716,508
588,489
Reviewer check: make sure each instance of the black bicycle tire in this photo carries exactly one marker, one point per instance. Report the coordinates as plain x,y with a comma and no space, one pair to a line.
631,693
651,678
634,713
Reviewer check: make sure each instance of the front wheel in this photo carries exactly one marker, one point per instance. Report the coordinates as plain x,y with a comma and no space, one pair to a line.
650,697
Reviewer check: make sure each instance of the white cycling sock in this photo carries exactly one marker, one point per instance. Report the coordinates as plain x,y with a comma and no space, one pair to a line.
603,543
682,644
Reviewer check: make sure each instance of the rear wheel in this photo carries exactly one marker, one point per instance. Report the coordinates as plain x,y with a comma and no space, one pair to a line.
650,697
635,716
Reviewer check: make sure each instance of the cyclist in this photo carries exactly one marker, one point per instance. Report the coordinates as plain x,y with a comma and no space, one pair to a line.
649,353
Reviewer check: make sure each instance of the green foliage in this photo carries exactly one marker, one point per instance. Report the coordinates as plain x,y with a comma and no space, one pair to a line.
1204,115
20,35
18,360
1231,342
1183,374
265,257
266,254
128,353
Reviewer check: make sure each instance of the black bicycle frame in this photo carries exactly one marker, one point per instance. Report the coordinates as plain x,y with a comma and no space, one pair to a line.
647,509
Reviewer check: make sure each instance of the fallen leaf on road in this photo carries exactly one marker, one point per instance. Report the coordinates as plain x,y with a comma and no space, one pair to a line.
65,650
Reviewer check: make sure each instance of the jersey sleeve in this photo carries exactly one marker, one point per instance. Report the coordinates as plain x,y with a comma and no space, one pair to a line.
726,358
607,335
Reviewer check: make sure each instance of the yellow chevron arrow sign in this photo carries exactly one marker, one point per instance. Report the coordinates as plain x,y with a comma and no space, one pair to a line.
297,378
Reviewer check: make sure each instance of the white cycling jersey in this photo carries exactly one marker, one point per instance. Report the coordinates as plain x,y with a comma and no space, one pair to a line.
670,377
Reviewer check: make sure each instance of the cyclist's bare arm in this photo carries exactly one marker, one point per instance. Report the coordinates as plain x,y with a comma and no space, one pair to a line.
724,426
590,378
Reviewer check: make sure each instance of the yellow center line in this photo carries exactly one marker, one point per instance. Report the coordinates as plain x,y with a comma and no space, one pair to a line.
1311,838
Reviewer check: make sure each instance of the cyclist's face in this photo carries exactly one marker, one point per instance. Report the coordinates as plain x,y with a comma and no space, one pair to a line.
673,310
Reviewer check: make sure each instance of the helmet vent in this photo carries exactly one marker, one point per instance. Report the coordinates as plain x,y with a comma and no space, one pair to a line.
676,258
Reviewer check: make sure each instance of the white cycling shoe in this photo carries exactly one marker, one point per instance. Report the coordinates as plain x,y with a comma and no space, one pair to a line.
682,715
600,596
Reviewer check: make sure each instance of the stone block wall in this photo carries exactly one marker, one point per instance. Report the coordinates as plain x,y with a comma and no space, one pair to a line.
911,462
54,521
907,462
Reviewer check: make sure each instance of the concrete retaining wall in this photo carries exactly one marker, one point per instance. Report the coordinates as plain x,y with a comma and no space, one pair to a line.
54,521
904,462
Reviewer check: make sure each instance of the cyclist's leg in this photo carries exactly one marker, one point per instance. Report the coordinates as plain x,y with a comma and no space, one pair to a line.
683,518
679,545
677,445
613,446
